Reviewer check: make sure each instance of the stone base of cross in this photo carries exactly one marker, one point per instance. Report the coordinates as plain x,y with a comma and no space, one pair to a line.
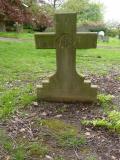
66,85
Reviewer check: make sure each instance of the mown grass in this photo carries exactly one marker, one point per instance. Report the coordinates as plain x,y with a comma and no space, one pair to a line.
17,35
21,65
113,42
97,61
14,99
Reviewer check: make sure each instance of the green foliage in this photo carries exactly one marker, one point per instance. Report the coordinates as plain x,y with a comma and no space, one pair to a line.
58,126
27,96
113,29
91,158
20,151
62,109
65,134
74,6
118,78
48,9
16,97
40,13
112,32
7,103
114,118
86,10
112,122
68,141
94,12
37,149
96,122
5,141
17,152
91,26
105,100
59,158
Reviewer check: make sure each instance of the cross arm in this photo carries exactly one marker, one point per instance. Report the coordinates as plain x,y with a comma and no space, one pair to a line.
85,40
45,40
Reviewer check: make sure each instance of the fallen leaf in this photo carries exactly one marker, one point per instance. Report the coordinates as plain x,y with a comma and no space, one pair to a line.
49,157
87,133
113,157
7,158
35,103
58,116
44,114
22,130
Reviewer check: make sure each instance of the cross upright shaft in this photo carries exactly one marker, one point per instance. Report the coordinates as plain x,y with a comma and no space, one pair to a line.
65,46
66,84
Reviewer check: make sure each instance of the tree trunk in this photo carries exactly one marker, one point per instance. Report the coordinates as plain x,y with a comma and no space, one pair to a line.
2,26
54,3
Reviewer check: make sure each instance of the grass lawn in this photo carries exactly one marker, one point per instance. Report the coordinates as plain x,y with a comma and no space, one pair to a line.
16,35
113,42
21,64
22,67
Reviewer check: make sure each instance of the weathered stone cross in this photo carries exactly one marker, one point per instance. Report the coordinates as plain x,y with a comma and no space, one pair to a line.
66,85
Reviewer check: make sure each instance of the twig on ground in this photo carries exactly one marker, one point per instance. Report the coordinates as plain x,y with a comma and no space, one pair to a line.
78,157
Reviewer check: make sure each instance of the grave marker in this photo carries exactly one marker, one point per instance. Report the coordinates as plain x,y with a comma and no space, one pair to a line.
66,85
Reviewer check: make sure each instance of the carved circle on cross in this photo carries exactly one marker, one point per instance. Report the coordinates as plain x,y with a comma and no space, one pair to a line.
64,41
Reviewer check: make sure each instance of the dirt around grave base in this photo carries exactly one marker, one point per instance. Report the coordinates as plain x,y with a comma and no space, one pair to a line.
100,144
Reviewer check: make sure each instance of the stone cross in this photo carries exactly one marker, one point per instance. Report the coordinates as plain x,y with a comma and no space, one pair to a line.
66,85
